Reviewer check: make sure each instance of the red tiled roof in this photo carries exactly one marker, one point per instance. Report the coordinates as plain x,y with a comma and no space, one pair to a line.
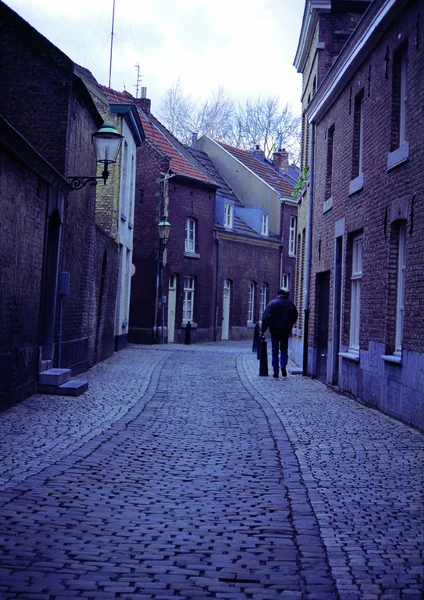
178,164
266,173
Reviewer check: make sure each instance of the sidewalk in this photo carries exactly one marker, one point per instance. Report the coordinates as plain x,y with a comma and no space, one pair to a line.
351,469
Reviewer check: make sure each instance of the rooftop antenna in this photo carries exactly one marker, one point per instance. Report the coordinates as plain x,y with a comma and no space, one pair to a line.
111,44
137,66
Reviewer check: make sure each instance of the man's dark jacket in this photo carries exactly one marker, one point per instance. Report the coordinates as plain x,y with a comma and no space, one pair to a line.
280,315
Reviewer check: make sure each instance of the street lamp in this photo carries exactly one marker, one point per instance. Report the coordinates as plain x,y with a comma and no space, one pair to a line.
164,227
107,143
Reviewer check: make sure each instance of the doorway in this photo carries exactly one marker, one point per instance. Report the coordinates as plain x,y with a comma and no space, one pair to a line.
226,310
323,293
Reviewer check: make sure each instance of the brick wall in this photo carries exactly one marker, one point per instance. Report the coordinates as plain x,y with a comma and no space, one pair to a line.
39,77
388,196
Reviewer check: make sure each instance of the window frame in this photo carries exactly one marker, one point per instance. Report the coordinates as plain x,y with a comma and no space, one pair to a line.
251,303
355,293
330,159
400,287
292,235
188,299
265,224
263,299
190,236
285,277
228,215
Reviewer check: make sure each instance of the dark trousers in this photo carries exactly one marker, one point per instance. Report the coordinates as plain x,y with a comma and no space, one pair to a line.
280,345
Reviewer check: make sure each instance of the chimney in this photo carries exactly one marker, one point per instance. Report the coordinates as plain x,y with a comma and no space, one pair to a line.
280,161
257,152
194,141
143,102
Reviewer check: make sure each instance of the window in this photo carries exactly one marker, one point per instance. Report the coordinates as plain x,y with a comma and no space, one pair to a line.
329,179
358,135
285,282
399,98
292,236
355,293
263,299
190,235
228,215
188,304
400,288
251,303
265,224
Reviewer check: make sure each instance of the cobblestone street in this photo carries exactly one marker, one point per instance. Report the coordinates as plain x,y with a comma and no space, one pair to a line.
182,474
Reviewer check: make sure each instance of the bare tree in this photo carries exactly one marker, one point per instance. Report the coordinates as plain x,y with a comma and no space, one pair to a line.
255,122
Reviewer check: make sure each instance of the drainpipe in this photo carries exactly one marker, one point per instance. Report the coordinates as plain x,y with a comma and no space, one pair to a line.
308,248
215,325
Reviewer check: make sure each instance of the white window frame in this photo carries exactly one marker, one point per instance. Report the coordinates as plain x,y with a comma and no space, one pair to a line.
403,96
263,297
188,303
361,135
400,288
228,215
285,282
355,294
265,225
251,303
190,236
292,236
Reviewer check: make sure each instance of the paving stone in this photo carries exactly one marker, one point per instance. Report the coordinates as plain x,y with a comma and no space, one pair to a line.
183,474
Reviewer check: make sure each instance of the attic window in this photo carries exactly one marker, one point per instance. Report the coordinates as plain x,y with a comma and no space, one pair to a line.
265,225
228,215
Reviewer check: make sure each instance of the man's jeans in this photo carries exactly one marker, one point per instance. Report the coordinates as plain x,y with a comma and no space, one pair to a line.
280,355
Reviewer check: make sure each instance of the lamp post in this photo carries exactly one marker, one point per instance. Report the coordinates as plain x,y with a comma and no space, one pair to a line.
164,227
106,143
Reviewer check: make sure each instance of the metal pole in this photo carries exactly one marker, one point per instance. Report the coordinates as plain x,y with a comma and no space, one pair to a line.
111,44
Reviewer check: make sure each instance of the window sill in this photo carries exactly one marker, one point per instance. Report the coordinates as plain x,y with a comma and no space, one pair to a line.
398,156
191,255
355,185
184,324
392,358
350,356
250,324
328,204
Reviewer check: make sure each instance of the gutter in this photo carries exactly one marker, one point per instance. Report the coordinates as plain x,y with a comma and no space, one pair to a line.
308,248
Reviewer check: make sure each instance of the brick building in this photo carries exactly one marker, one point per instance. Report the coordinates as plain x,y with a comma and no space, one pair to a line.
262,200
363,206
48,118
115,202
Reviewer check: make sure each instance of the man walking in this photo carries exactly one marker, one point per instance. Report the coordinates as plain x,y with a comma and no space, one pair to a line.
280,315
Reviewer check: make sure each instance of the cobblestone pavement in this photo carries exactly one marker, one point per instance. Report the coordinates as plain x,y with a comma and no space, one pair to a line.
183,474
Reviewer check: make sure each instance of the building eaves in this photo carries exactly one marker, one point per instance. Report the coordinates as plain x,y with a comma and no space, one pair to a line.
266,174
309,21
373,22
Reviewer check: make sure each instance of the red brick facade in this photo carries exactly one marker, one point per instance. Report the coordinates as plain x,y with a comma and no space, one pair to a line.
376,187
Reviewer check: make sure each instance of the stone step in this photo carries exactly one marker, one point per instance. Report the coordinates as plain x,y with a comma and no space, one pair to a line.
73,387
54,377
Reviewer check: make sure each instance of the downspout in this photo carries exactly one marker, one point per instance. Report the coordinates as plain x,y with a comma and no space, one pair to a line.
308,248
215,326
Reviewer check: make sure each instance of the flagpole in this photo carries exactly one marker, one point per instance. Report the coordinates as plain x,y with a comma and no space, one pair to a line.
111,44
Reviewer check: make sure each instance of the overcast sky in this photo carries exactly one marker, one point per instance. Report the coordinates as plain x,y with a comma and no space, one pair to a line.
247,46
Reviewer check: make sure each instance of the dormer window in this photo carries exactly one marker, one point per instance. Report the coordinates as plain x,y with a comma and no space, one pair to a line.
265,225
228,215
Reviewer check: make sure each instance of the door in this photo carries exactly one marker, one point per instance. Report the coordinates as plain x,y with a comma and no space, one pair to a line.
226,310
323,293
172,297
